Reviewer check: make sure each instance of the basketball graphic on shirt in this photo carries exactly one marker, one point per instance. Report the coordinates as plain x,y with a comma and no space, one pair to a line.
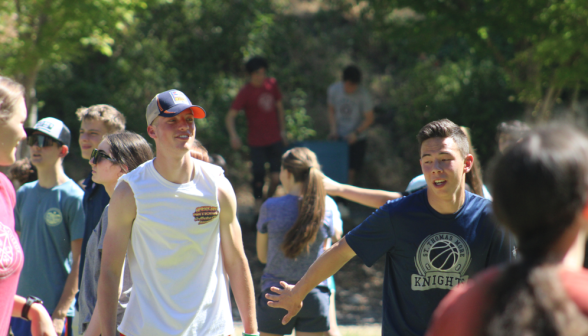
266,102
10,251
205,214
53,217
442,260
444,255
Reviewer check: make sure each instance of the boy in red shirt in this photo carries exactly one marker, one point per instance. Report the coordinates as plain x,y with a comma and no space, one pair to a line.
262,102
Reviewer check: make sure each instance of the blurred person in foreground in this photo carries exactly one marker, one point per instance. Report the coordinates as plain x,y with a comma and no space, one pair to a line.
433,239
116,155
292,232
509,133
178,218
261,100
50,222
13,113
351,113
540,189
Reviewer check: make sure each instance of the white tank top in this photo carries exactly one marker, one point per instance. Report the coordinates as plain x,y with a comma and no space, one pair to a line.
179,284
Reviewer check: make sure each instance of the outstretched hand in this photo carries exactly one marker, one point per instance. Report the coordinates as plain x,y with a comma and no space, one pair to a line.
285,299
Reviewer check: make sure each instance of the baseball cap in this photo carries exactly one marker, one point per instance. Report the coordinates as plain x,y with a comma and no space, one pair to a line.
171,103
52,127
416,184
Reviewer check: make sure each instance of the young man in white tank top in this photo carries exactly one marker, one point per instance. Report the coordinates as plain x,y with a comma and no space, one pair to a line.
176,216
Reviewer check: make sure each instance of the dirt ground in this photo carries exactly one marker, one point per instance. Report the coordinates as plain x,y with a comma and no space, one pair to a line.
359,288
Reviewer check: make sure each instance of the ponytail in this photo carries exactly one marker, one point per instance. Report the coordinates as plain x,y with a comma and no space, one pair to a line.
302,163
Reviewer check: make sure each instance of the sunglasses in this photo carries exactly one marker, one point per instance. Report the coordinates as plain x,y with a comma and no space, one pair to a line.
41,140
97,155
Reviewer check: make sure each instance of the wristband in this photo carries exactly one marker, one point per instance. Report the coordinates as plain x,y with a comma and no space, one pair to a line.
246,334
27,306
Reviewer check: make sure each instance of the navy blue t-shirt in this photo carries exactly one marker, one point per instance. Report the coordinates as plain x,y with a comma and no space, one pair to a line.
427,253
95,200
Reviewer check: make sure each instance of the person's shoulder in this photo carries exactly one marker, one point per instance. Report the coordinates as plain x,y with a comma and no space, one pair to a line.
460,311
71,187
336,86
478,203
28,186
209,168
330,202
279,200
137,173
406,203
271,81
575,283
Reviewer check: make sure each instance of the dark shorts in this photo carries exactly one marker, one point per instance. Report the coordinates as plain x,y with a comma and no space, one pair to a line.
271,153
313,317
22,327
357,154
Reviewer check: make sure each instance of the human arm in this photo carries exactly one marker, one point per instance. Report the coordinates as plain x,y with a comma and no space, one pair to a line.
121,214
69,290
230,124
261,244
234,259
290,298
41,324
332,123
282,121
372,198
368,120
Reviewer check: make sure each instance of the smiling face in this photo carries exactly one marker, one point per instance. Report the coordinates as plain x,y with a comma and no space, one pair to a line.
444,168
92,131
11,133
174,134
106,171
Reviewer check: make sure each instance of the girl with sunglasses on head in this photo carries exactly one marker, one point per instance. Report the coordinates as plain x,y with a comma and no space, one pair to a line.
292,232
13,114
540,187
116,155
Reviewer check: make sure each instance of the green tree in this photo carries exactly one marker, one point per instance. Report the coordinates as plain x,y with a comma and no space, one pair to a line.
538,43
38,33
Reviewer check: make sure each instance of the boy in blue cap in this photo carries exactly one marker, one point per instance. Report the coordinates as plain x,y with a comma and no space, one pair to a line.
49,218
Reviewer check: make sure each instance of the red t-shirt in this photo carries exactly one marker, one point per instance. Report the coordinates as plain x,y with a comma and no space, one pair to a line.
11,256
259,104
461,311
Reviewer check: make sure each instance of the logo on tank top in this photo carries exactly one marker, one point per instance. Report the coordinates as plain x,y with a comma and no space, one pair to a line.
266,102
442,260
10,251
53,217
205,214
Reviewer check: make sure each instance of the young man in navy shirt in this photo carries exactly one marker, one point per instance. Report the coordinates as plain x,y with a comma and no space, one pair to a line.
433,239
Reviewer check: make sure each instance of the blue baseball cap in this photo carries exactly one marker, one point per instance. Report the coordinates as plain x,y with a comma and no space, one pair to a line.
171,103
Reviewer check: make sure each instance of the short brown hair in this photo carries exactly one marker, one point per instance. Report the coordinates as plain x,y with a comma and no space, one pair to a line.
113,120
445,128
10,92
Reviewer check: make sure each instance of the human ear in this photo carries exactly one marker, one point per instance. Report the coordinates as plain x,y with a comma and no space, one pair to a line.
468,163
63,151
151,131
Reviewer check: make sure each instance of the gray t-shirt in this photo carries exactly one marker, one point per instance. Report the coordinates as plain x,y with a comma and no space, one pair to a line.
89,286
349,108
276,217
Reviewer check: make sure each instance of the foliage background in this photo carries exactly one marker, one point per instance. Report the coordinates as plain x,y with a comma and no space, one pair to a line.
476,62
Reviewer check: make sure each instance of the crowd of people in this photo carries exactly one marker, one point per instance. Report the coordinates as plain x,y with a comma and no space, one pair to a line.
151,244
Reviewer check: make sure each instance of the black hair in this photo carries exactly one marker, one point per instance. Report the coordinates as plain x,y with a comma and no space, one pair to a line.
255,63
540,186
352,74
129,149
445,128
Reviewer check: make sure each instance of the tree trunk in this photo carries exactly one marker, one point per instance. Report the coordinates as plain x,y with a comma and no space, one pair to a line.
29,81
